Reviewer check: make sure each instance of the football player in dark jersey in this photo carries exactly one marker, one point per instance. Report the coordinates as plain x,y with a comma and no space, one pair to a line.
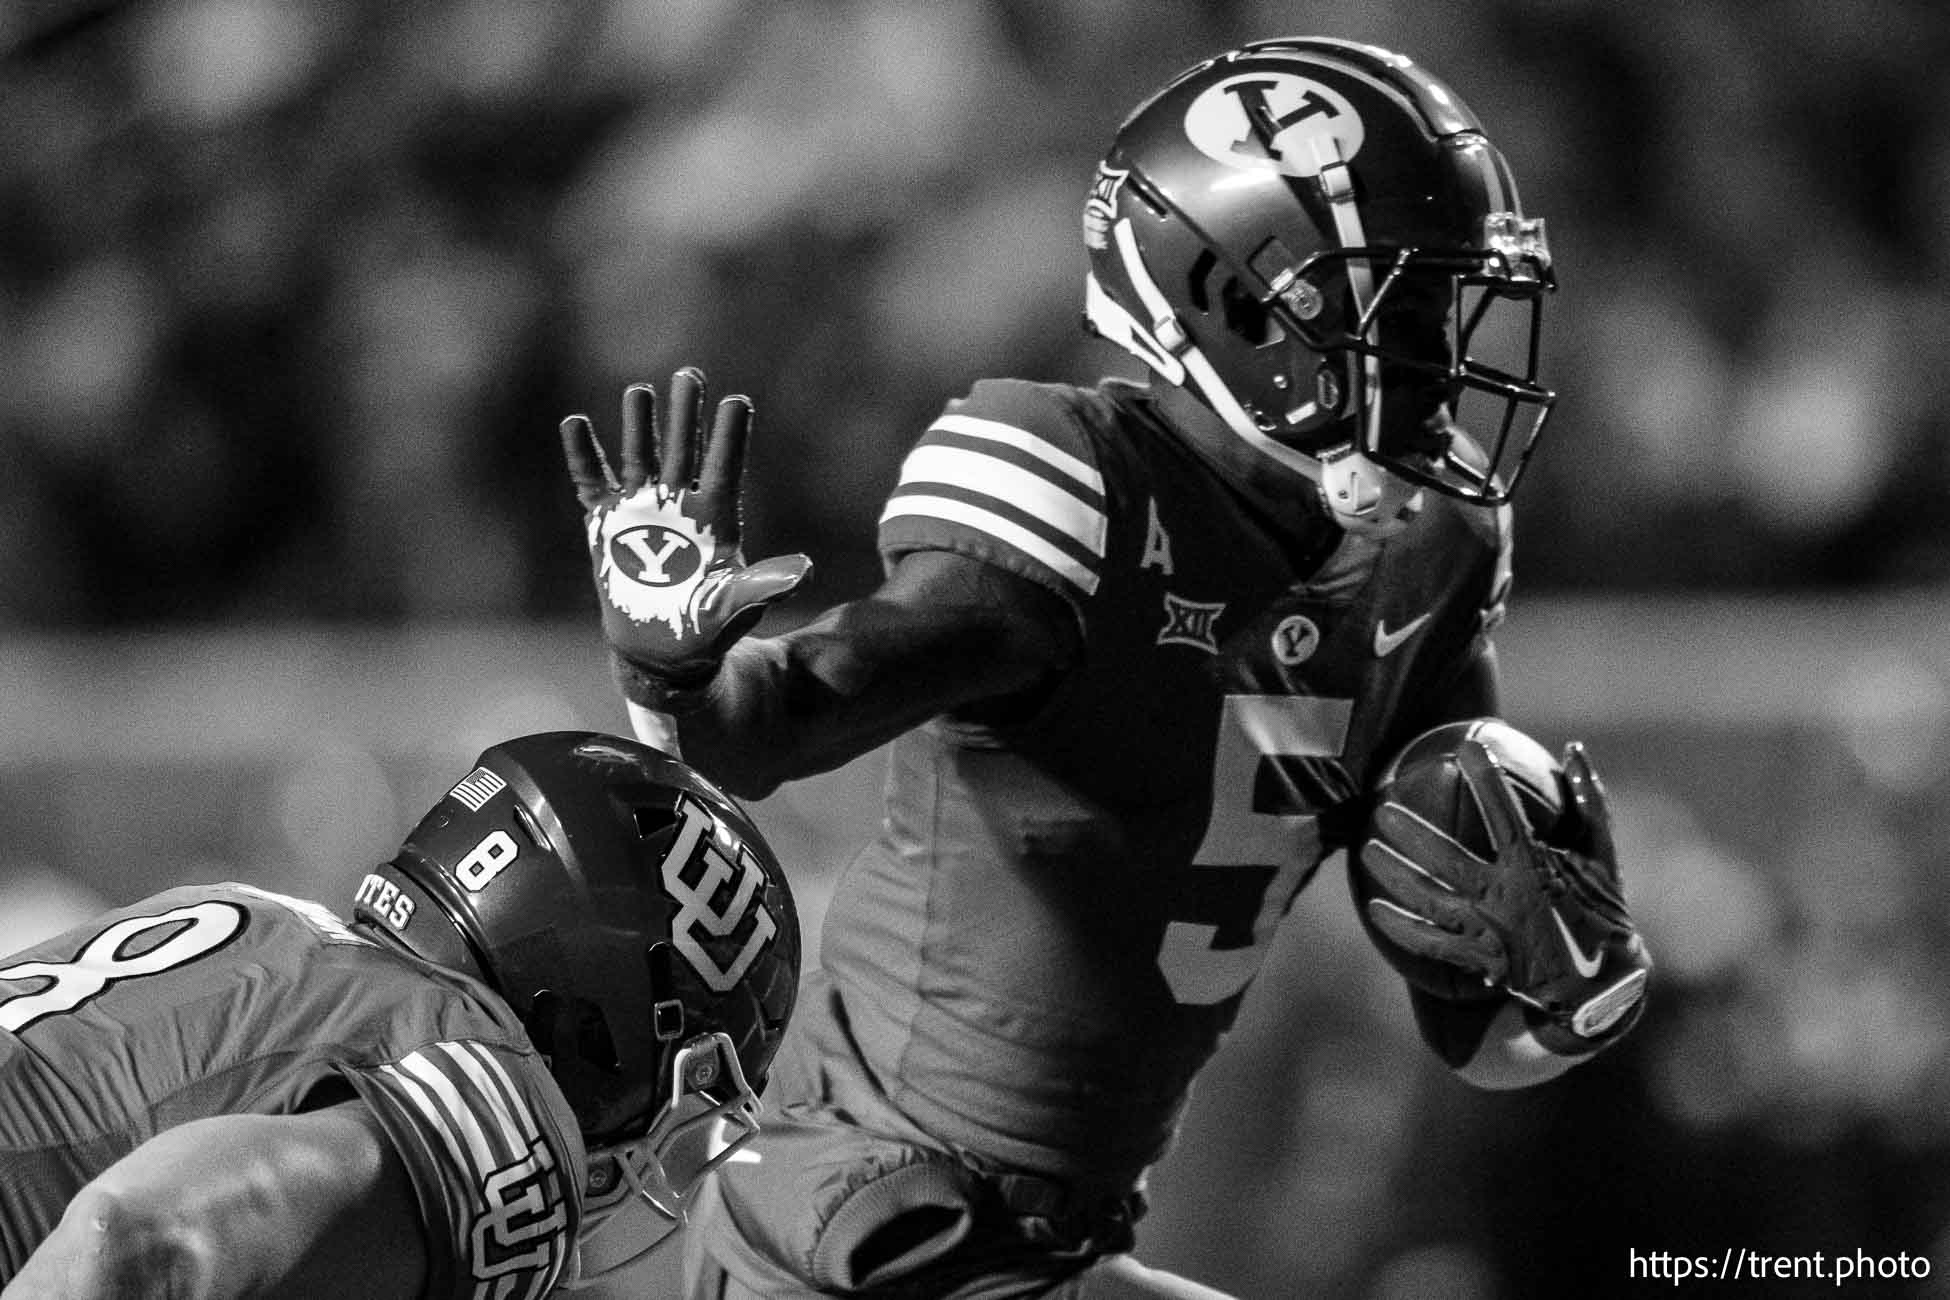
549,1013
1140,652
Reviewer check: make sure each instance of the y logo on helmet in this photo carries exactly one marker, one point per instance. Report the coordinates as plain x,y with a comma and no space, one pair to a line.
700,915
1299,113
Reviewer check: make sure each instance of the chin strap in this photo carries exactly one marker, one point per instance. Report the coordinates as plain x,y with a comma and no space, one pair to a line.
1364,498
1362,495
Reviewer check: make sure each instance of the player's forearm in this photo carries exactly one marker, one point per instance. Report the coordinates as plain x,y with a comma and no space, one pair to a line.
943,633
237,1206
789,707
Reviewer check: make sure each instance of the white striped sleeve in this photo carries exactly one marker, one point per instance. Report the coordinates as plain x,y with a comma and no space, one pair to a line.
485,1157
1004,493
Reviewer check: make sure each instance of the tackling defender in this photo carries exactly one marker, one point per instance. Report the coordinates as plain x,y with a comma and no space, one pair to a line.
577,967
1141,652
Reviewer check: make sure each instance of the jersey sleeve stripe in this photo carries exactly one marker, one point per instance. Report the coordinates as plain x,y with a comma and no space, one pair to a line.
460,1118
1027,493
987,519
495,1143
974,426
517,1124
495,1082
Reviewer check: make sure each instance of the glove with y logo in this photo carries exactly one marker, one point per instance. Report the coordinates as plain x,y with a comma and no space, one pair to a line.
664,537
1541,920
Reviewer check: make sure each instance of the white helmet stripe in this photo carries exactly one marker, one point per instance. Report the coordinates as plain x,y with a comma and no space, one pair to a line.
1118,326
1235,416
1338,186
1147,289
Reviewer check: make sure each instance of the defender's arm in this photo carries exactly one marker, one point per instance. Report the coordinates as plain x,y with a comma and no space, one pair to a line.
944,632
310,1205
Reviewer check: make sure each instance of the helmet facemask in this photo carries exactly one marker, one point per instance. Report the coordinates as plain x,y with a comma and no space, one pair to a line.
1438,379
709,1113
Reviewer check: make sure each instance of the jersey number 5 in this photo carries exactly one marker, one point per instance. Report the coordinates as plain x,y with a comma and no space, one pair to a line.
1247,843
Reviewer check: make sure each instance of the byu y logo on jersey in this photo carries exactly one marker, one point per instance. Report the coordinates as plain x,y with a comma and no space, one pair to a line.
1295,640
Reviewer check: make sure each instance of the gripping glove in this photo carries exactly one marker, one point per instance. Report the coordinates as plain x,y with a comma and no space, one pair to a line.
1544,923
664,538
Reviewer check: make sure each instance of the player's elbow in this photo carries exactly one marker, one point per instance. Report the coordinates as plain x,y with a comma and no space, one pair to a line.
133,1241
744,772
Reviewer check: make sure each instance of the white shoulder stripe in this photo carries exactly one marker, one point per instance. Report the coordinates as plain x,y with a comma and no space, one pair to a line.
1041,448
429,1107
1027,491
518,1127
508,1088
456,1113
1001,529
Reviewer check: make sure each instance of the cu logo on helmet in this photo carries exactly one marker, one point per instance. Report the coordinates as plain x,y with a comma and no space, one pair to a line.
654,555
717,900
1311,124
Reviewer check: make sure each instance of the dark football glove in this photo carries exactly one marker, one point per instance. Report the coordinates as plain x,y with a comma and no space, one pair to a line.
1544,923
664,537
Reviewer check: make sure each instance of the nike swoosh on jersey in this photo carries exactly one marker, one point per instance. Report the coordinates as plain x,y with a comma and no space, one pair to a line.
1587,966
1386,642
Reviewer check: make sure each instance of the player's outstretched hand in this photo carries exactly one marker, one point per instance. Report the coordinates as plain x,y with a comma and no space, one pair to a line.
1545,923
664,534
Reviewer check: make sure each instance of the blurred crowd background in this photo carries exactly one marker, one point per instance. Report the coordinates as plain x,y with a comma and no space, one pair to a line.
293,294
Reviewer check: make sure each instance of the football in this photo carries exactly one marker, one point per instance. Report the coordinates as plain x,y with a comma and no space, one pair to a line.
1425,778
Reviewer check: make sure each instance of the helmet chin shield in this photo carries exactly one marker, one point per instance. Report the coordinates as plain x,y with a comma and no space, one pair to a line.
708,1116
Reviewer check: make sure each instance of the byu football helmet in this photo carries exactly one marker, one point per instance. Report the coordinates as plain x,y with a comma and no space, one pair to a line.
1308,235
635,920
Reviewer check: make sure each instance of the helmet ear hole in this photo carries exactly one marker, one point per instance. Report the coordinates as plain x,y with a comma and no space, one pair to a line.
1248,318
1198,278
571,1028
652,822
1243,314
666,1007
